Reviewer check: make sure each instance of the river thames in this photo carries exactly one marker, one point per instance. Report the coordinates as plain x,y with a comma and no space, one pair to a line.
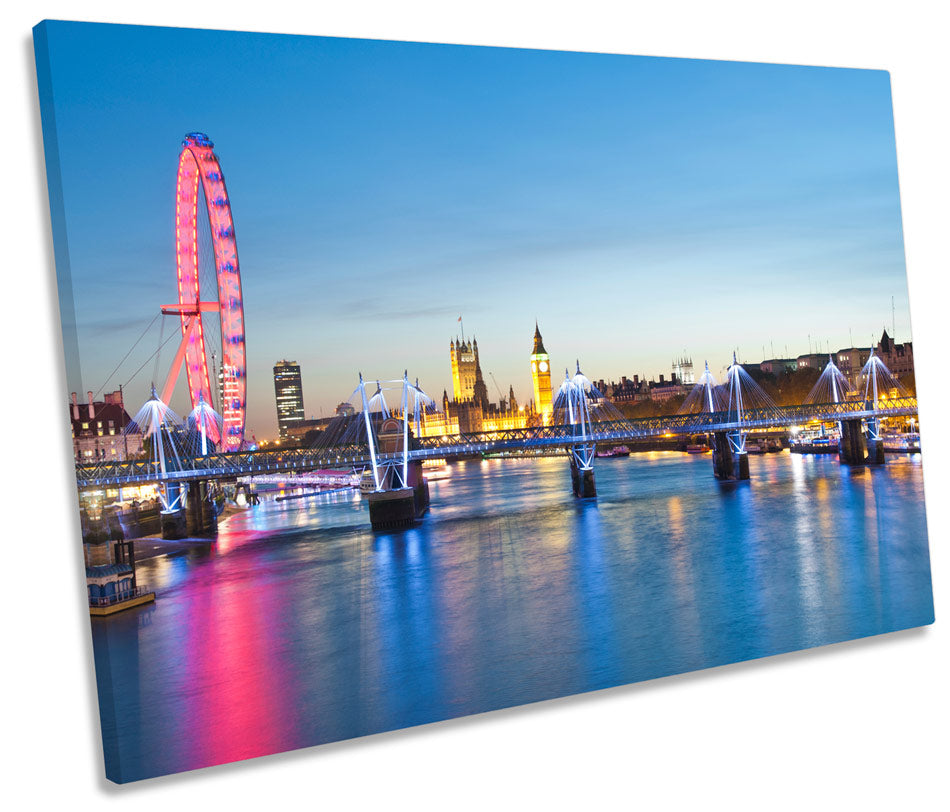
300,626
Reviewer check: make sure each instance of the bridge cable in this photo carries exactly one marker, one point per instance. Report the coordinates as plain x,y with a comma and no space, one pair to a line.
150,358
158,354
105,383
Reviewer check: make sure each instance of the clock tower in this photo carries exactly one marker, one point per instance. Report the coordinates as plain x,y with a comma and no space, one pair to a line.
541,377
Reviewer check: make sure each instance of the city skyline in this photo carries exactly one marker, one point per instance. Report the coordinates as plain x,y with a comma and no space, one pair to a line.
678,205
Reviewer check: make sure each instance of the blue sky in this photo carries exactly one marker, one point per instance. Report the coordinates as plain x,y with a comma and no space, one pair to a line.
637,207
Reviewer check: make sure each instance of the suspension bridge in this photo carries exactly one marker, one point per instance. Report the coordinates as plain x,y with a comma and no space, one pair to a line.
388,442
185,457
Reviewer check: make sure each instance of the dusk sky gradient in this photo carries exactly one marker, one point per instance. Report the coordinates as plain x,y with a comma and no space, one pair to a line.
638,207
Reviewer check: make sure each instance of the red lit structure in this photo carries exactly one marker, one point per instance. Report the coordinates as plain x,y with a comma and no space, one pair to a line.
198,167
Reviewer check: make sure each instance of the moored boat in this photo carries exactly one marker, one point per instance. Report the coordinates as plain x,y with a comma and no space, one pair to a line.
814,445
614,451
908,443
367,482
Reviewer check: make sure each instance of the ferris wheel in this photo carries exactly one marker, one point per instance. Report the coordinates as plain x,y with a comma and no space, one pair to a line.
210,303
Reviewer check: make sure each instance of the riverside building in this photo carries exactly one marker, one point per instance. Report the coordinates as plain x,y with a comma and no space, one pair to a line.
289,394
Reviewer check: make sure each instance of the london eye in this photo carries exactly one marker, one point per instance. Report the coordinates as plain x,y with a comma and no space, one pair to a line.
210,303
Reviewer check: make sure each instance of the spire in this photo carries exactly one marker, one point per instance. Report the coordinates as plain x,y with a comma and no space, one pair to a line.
480,390
538,343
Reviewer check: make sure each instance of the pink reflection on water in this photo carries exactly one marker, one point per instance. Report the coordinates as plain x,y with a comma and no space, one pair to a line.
237,702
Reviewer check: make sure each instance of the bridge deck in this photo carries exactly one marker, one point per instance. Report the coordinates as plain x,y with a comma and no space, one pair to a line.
244,463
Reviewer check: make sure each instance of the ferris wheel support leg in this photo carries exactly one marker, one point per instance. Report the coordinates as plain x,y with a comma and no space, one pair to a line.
175,369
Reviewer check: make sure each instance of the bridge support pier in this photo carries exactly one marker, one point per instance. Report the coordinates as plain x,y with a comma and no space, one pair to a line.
851,446
582,481
200,516
174,522
249,495
730,460
875,452
582,471
856,449
193,513
875,443
396,508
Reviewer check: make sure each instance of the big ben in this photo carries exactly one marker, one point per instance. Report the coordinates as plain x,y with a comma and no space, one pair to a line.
541,377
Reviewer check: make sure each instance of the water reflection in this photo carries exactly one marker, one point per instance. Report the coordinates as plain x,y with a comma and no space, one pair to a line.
301,626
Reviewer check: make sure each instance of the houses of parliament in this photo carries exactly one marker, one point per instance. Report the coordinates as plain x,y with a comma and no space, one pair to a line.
469,409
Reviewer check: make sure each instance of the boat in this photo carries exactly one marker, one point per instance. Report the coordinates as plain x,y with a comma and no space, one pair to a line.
367,482
613,451
814,445
908,443
752,447
697,448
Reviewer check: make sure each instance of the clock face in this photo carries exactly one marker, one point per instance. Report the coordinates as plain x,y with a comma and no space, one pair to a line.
543,366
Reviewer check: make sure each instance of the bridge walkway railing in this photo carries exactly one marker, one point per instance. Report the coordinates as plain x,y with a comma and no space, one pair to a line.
243,463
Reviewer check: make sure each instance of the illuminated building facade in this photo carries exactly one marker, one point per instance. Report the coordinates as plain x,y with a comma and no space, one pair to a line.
98,429
289,393
467,381
541,378
851,361
898,358
470,411
683,371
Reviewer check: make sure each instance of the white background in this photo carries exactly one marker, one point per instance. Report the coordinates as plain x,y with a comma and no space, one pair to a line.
860,724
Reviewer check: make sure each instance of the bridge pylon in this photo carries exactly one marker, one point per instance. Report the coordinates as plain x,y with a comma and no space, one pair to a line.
401,494
572,408
862,442
730,458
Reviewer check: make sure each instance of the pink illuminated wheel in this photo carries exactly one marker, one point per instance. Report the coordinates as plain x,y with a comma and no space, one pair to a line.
212,321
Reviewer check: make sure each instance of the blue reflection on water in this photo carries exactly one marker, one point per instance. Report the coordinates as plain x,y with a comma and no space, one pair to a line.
301,626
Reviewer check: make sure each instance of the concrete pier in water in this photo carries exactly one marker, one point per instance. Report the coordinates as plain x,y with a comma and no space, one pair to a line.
582,481
196,517
727,462
400,507
854,448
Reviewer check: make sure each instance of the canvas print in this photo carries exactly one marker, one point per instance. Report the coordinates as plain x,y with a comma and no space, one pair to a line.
411,381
